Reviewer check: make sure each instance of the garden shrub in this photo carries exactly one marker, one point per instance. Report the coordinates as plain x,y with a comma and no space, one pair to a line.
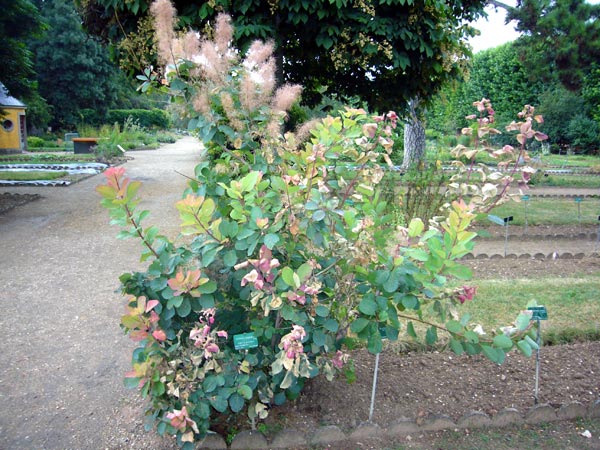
152,118
35,142
284,243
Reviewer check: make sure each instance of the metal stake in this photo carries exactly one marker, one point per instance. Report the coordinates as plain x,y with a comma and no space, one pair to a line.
526,208
505,238
374,387
537,362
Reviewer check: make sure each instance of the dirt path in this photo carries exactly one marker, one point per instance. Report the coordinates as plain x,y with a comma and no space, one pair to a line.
63,355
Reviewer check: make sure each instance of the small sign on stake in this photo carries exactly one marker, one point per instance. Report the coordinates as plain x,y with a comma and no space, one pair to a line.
525,198
538,313
244,341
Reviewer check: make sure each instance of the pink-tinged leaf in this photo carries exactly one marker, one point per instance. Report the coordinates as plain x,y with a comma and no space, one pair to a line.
222,334
138,335
471,117
539,119
521,138
525,127
151,304
539,136
159,335
131,374
154,317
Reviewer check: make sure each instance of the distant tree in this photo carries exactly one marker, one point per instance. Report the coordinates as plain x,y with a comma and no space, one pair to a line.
19,20
560,38
74,71
497,74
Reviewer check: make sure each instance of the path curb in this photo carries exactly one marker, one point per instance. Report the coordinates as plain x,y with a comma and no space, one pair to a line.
565,255
291,438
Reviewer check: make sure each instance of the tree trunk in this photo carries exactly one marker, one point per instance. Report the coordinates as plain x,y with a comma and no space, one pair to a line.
414,137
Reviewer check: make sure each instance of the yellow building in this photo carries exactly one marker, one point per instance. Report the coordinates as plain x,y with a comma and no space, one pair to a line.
13,130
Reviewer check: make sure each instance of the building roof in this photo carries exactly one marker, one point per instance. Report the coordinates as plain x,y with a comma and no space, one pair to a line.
7,101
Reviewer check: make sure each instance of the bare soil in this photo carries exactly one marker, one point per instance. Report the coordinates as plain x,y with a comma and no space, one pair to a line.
64,356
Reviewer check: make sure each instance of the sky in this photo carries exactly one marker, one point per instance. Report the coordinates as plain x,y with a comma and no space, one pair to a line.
493,30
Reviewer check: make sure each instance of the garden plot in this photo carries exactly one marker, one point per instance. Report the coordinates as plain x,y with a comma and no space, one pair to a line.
45,173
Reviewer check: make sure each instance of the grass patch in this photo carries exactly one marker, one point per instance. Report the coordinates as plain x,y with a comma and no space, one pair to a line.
570,160
572,303
545,436
578,181
550,211
30,175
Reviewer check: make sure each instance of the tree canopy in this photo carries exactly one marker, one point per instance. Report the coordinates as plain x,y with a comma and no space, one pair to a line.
74,72
561,38
20,20
385,51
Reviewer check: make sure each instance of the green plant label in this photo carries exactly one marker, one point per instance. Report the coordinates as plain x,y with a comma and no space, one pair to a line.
245,341
525,197
538,312
578,199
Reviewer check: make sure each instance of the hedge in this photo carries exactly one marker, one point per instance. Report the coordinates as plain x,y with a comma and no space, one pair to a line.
146,118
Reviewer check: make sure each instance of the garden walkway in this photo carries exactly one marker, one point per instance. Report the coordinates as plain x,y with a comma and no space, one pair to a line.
63,354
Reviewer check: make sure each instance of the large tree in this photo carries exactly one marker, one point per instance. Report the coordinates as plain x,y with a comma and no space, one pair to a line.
74,71
19,20
385,51
560,38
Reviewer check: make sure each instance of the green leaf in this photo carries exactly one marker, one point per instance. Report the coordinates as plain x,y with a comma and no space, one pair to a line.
359,324
368,306
431,336
208,288
318,215
375,344
219,403
158,389
132,383
410,329
331,325
287,275
522,321
454,327
524,347
472,337
392,283
322,311
532,343
456,346
184,309
416,227
459,271
410,302
230,258
319,338
271,240
209,384
503,341
245,391
493,354
236,402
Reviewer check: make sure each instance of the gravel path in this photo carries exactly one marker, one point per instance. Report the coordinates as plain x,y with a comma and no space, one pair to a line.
63,354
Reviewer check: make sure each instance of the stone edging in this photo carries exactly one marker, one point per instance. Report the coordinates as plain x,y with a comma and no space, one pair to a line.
289,438
540,237
565,255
